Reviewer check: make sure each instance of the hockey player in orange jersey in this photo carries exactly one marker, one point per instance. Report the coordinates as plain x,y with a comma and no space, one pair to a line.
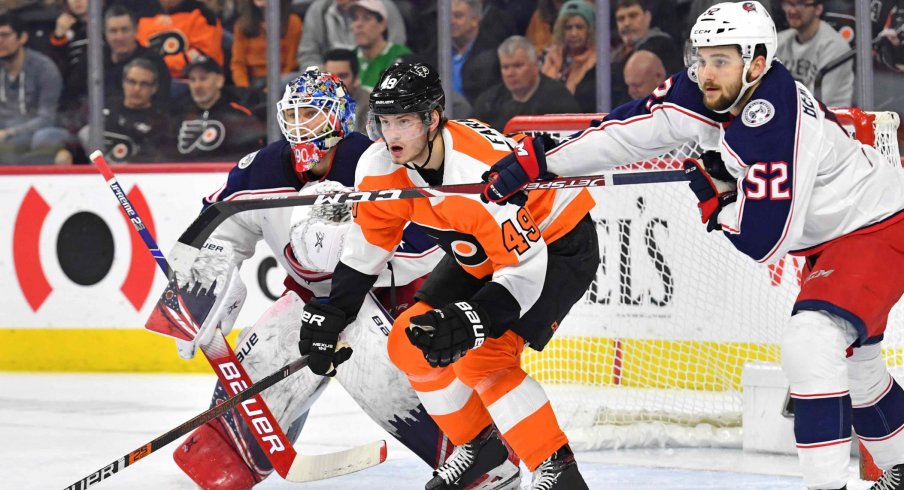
510,276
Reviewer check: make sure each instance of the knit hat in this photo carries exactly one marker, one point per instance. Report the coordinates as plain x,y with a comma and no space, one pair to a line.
578,7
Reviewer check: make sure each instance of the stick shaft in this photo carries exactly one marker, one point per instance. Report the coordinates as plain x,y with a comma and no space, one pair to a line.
188,426
219,353
198,232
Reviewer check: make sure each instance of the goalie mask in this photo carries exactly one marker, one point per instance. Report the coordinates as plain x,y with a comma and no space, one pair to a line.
406,88
742,24
314,114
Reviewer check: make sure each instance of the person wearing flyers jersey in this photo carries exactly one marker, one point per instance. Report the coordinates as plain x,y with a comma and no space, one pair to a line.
783,176
509,277
319,154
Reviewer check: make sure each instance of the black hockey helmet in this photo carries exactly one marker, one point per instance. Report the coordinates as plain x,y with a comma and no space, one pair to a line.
406,87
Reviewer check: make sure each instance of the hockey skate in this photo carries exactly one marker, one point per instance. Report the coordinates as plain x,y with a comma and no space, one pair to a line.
559,471
892,479
481,464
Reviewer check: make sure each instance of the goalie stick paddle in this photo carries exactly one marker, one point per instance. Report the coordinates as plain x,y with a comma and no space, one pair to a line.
230,372
198,232
327,465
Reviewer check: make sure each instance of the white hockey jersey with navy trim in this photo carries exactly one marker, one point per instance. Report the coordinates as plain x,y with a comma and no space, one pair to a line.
269,172
802,181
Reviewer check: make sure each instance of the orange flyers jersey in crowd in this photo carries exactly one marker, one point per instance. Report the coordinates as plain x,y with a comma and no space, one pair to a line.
187,31
505,242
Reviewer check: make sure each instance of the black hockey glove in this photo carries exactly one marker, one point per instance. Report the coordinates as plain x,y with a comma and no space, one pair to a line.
715,167
711,200
526,163
445,335
320,328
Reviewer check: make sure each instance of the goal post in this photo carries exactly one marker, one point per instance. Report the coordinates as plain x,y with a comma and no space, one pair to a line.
653,353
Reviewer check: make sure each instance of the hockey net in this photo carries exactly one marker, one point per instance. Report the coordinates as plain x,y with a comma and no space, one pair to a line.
653,354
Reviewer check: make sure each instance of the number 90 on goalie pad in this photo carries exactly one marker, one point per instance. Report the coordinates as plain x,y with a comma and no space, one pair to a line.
318,232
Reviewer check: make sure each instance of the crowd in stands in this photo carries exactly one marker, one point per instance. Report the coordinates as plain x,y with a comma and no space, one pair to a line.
185,80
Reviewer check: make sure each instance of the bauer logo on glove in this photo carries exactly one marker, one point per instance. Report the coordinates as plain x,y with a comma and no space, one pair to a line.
445,335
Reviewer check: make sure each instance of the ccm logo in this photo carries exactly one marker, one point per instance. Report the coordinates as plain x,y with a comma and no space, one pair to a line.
312,318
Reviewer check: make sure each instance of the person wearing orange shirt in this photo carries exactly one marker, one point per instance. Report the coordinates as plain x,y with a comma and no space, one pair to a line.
180,31
249,45
510,275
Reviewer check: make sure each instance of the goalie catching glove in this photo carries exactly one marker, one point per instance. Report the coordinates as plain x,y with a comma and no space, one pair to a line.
321,325
525,164
712,194
318,233
445,335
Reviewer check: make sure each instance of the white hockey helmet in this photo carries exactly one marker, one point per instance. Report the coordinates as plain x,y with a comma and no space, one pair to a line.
743,24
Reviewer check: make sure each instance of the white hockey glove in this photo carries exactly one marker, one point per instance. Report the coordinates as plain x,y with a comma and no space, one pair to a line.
214,290
318,232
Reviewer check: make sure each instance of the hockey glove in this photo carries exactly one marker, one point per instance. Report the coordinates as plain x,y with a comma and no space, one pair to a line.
711,199
715,167
445,335
319,337
525,164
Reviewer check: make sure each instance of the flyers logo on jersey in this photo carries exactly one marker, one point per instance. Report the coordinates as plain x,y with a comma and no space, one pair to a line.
200,135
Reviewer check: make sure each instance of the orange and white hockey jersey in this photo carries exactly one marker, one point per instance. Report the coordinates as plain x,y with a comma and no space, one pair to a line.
505,242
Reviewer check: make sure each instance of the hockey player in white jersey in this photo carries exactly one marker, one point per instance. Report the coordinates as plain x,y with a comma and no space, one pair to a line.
319,155
788,180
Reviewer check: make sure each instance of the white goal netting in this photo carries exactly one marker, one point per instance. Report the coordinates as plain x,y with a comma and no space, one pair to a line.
653,354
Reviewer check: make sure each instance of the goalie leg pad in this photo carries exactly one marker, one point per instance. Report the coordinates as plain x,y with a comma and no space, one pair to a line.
262,349
211,462
878,402
381,390
813,358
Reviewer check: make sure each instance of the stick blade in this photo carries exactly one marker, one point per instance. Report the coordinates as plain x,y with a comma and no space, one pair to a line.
322,466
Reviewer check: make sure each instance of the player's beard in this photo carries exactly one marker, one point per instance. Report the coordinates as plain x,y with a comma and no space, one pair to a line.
726,97
9,57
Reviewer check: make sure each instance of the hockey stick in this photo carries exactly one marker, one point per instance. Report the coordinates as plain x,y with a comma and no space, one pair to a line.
198,232
330,465
232,375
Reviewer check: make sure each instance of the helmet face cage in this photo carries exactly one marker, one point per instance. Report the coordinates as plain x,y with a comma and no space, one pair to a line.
314,114
744,24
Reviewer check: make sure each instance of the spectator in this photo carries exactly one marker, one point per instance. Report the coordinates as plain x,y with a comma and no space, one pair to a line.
249,45
327,25
571,59
474,63
374,52
210,123
120,30
39,17
634,31
643,73
809,45
70,36
539,31
135,129
180,31
30,87
344,64
523,89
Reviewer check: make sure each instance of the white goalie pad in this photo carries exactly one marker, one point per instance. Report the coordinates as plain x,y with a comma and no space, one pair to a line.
372,380
271,344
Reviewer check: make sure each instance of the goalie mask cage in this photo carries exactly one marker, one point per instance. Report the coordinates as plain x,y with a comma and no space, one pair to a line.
653,353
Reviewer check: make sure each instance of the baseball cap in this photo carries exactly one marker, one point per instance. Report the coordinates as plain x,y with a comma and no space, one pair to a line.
375,6
204,62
